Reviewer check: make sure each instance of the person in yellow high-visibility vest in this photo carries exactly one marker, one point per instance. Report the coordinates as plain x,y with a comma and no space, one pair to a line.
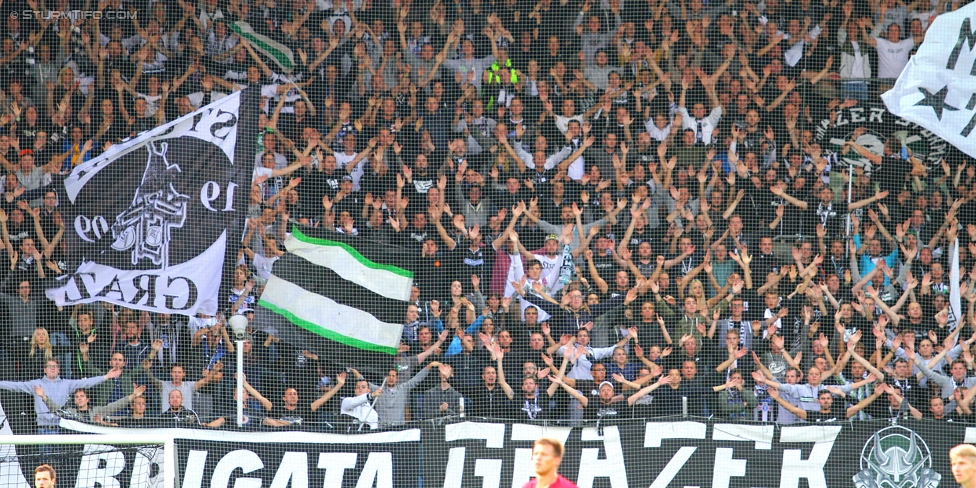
497,78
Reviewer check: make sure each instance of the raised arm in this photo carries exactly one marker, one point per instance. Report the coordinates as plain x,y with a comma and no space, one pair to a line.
340,381
572,391
864,152
257,59
795,410
861,405
864,362
663,380
781,192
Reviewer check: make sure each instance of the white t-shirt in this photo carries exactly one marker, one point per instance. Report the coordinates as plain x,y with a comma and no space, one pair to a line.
578,166
186,388
550,269
197,323
858,66
892,57
263,265
152,105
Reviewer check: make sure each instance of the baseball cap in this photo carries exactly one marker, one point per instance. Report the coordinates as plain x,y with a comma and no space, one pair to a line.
552,237
208,307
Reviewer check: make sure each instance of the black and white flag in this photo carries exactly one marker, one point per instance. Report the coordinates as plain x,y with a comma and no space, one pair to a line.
955,296
936,88
148,222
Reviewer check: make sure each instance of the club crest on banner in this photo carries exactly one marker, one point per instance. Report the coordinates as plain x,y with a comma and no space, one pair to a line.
880,126
146,226
896,457
155,238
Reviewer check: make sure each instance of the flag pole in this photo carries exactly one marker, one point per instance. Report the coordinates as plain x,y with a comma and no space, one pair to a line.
240,383
372,406
850,193
955,298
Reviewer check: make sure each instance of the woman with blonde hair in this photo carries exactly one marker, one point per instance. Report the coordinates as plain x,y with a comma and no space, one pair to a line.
39,351
697,290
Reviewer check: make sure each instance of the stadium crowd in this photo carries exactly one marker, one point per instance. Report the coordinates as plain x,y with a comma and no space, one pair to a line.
613,208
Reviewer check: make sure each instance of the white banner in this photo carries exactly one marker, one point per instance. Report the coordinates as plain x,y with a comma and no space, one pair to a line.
937,89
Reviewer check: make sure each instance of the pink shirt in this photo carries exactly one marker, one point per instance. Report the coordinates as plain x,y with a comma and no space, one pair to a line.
560,483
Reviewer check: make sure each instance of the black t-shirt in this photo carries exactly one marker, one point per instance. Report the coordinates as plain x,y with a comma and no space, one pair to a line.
684,267
890,175
763,264
542,407
300,415
650,333
831,214
668,401
184,417
795,218
923,327
955,416
651,236
753,304
351,203
315,185
143,422
434,274
911,390
792,327
605,267
483,402
597,410
857,323
756,208
817,416
679,356
470,262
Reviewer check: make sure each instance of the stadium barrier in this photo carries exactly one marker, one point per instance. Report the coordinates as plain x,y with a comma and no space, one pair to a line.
486,453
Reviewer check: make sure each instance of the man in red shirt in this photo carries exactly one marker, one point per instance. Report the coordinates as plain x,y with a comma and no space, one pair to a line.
547,453
963,459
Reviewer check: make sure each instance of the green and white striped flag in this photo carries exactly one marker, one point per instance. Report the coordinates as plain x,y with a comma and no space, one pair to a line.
278,52
339,288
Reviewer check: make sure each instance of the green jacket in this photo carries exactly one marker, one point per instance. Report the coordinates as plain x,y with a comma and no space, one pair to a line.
689,325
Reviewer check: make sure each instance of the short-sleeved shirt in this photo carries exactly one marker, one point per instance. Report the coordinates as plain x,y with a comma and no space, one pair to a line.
832,215
893,56
186,388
